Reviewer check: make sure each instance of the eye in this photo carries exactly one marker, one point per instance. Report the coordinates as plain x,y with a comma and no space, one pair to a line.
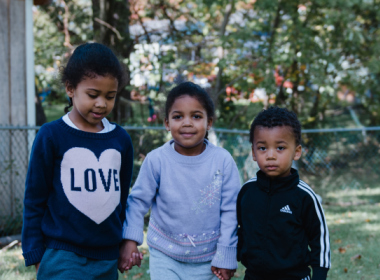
281,148
92,96
262,148
177,117
197,116
110,97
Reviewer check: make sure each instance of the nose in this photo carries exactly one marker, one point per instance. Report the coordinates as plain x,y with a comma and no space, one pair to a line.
187,122
100,103
271,154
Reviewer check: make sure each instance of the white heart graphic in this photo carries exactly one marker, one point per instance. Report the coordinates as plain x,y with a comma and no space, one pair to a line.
98,198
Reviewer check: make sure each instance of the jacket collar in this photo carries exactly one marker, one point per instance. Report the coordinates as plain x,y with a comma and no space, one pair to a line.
279,184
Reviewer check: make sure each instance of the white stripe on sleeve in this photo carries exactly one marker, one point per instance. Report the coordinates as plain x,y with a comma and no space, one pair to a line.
325,244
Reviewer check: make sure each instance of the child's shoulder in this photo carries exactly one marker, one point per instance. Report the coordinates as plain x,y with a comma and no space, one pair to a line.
305,190
247,185
50,126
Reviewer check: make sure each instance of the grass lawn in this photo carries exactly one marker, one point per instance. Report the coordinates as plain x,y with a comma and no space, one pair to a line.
354,236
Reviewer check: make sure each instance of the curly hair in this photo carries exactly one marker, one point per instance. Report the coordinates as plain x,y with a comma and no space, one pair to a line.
193,90
275,116
90,60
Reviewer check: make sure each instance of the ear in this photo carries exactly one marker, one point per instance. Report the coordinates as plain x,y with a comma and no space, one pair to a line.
209,123
166,122
253,154
69,89
298,152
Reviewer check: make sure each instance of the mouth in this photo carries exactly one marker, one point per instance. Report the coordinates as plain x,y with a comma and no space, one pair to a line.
97,115
187,134
271,167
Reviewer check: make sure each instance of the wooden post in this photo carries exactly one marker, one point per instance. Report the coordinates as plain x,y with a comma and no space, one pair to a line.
13,111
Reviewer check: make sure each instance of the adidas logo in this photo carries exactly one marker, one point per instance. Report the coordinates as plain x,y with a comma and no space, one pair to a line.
286,209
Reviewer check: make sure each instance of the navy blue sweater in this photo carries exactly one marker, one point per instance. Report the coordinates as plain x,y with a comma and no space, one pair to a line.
76,191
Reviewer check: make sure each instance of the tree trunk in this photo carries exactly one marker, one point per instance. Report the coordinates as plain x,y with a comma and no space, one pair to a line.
111,27
40,113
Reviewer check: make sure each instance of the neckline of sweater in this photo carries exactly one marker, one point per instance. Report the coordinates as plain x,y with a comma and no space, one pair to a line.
172,153
86,134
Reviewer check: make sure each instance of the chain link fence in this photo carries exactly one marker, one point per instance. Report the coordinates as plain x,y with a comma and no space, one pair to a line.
332,159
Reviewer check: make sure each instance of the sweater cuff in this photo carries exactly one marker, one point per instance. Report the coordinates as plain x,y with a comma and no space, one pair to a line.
319,273
133,234
34,257
225,257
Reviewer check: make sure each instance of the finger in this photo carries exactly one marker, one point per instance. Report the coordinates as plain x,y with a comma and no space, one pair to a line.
138,260
133,259
141,256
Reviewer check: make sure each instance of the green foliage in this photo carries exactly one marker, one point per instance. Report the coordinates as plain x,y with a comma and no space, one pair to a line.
302,53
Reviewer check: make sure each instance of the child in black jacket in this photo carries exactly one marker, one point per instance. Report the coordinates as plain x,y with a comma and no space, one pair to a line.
279,215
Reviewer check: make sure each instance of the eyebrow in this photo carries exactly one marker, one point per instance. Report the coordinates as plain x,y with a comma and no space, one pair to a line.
98,91
264,142
180,112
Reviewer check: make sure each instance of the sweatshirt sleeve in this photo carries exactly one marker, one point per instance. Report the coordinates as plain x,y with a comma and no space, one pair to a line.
225,256
139,201
38,184
318,236
126,176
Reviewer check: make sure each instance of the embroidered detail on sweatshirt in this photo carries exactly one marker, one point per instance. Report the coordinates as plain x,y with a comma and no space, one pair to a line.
209,195
286,209
90,184
218,256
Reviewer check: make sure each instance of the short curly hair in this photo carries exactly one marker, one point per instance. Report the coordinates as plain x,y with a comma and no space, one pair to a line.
276,116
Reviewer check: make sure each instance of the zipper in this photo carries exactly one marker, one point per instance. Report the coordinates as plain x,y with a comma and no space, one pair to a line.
269,194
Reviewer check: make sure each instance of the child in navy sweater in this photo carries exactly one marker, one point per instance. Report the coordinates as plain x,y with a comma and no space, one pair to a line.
279,215
79,176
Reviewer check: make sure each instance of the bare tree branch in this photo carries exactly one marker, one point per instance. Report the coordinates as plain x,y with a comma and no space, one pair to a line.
109,27
66,26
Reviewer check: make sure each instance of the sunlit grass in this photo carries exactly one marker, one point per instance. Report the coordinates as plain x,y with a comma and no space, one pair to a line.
354,237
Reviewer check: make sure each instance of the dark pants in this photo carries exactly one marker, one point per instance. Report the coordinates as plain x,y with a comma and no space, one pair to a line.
65,265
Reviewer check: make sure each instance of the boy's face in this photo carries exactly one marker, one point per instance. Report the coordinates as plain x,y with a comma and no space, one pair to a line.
274,149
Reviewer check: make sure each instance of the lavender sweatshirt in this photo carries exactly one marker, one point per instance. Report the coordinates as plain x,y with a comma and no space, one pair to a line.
193,200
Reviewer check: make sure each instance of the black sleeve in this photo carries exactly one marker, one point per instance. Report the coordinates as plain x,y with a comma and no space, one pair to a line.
240,225
318,236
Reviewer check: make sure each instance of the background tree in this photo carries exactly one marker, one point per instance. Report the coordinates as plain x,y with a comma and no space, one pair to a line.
302,54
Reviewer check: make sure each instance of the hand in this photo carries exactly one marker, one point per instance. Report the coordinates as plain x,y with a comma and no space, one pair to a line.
222,273
129,255
37,266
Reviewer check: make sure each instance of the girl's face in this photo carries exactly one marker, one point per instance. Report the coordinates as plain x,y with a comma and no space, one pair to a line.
188,123
93,99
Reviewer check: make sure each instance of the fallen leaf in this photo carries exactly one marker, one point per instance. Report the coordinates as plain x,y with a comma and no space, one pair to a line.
144,252
349,214
338,241
20,257
138,275
345,270
356,257
342,250
367,220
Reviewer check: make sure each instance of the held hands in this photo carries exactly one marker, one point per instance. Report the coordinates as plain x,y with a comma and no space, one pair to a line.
37,265
129,255
222,273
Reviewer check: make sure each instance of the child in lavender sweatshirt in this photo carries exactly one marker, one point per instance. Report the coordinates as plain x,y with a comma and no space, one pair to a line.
192,187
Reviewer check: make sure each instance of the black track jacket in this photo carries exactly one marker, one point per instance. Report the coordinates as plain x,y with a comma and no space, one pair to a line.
279,219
